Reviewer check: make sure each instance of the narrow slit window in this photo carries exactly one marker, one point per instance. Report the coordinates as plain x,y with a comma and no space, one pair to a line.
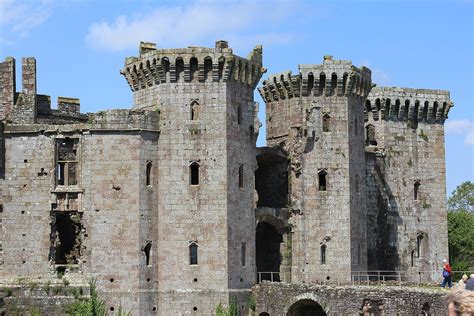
241,176
326,122
147,251
239,114
322,180
243,251
194,173
416,190
193,254
148,173
323,254
413,258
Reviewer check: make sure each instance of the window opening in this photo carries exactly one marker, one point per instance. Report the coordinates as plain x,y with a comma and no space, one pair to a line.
194,111
419,238
148,173
242,254
239,114
66,162
326,122
66,237
194,173
413,258
241,176
323,254
416,189
193,254
147,251
322,180
370,135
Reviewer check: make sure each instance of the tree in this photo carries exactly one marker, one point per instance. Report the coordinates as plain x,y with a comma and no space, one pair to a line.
462,198
461,227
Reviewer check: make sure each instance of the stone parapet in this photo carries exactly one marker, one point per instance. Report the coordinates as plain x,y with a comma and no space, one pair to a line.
332,78
193,64
407,104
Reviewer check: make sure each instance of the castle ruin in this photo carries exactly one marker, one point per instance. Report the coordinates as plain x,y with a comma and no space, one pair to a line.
172,207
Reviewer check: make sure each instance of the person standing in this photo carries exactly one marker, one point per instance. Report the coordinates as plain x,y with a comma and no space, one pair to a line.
447,273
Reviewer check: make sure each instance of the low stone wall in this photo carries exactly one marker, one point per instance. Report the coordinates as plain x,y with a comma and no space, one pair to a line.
278,298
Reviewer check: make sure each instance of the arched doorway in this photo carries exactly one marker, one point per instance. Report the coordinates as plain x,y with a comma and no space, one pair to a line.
306,307
268,241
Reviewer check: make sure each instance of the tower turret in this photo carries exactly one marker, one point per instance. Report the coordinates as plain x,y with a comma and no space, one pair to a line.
406,220
317,116
206,161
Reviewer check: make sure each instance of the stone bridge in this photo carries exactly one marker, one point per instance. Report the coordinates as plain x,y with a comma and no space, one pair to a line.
277,299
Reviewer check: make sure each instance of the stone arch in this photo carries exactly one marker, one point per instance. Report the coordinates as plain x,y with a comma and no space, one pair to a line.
193,69
221,67
333,83
322,83
179,64
310,83
307,304
368,109
344,83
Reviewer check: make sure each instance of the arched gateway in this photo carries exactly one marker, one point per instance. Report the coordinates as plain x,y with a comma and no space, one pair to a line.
306,307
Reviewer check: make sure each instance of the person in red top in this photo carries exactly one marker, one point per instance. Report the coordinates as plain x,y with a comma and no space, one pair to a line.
447,273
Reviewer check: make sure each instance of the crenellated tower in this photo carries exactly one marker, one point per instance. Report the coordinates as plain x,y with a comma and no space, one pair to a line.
406,180
203,244
317,118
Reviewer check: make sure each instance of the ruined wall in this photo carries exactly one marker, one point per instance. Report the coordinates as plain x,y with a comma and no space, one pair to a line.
205,97
277,299
7,87
317,118
97,199
406,150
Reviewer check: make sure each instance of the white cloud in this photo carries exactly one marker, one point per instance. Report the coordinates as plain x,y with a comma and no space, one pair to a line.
464,127
18,18
198,22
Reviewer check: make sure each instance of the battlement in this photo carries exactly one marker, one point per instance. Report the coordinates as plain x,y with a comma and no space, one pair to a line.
27,106
332,78
193,64
407,104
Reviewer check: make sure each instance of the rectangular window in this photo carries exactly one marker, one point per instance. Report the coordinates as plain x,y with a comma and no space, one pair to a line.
194,173
66,170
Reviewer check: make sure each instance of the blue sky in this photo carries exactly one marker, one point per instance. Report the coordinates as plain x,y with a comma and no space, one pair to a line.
80,46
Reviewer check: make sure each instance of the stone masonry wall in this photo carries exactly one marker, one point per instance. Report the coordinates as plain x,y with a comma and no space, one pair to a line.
277,298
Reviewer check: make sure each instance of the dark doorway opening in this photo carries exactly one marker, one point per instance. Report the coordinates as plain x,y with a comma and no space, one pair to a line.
268,241
306,307
66,237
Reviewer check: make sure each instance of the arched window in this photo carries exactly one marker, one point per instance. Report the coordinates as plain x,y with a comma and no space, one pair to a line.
194,173
241,176
396,109
387,109
147,251
322,180
370,135
323,254
148,173
435,110
416,189
194,111
419,238
378,106
406,108
243,251
326,122
368,109
344,83
193,253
